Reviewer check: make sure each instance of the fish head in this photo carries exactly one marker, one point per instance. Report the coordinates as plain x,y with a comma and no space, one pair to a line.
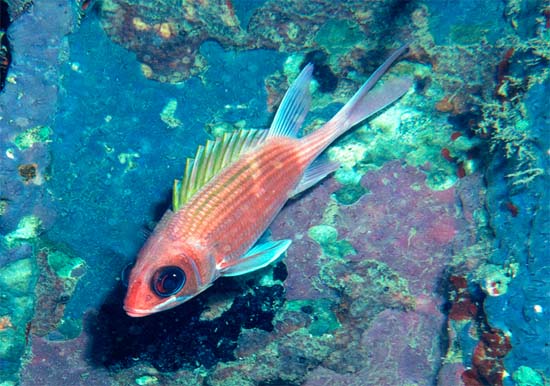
166,274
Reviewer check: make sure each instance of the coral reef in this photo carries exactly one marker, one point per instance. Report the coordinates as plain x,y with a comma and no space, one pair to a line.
27,108
380,265
506,119
428,242
508,112
35,288
58,275
487,361
520,135
17,7
166,35
332,26
70,360
17,281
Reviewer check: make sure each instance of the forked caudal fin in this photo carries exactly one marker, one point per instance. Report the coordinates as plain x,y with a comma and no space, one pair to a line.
362,105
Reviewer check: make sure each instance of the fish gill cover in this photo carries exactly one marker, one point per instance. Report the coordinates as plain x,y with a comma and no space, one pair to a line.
408,266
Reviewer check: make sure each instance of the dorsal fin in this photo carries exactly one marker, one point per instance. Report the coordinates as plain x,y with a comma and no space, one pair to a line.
294,107
210,159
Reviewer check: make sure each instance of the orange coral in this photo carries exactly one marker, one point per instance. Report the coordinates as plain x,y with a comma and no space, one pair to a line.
27,171
5,322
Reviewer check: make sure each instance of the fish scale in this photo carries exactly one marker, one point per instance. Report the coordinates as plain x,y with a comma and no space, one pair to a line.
234,188
237,216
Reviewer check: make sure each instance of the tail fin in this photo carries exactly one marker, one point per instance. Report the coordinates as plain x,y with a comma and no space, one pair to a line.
363,104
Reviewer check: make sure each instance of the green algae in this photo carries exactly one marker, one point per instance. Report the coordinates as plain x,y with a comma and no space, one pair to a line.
63,264
323,234
340,248
69,328
349,152
526,376
10,349
27,228
219,128
17,281
38,134
275,363
339,36
386,278
20,298
468,33
167,114
327,237
347,176
59,272
128,159
18,277
3,206
368,288
441,179
324,321
349,194
510,132
147,380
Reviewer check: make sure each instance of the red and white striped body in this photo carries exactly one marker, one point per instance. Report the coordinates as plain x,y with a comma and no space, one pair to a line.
211,232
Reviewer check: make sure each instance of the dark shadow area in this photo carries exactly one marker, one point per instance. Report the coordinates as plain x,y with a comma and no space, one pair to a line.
5,20
322,73
5,49
180,337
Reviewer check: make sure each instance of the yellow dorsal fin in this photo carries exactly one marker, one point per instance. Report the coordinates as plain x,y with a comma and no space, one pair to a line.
210,160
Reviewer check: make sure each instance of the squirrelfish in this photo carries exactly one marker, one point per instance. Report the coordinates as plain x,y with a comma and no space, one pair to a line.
233,189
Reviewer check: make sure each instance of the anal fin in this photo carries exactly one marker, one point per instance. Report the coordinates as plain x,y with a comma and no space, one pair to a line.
259,256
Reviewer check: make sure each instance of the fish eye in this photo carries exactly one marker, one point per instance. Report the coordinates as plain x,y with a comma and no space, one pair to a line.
167,281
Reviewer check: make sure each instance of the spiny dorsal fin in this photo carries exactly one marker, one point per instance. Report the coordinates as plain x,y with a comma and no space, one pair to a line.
210,160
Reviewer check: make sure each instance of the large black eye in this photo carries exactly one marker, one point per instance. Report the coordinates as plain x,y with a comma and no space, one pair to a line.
168,281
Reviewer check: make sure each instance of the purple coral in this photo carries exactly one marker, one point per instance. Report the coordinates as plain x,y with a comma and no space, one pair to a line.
404,224
404,233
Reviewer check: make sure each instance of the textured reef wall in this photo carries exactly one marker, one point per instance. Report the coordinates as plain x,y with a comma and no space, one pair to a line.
422,260
381,267
520,183
166,35
27,109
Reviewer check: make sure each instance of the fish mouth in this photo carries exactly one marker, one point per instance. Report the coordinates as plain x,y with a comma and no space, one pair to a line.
138,313
135,313
171,302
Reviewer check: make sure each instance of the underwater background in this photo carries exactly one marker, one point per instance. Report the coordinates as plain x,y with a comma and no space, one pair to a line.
424,260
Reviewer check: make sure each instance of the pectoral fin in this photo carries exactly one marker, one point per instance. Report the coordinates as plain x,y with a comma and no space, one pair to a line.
258,257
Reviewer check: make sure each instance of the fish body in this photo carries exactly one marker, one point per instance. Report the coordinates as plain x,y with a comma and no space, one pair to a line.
233,190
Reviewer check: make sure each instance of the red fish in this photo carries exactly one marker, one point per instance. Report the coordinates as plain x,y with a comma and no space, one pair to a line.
233,189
